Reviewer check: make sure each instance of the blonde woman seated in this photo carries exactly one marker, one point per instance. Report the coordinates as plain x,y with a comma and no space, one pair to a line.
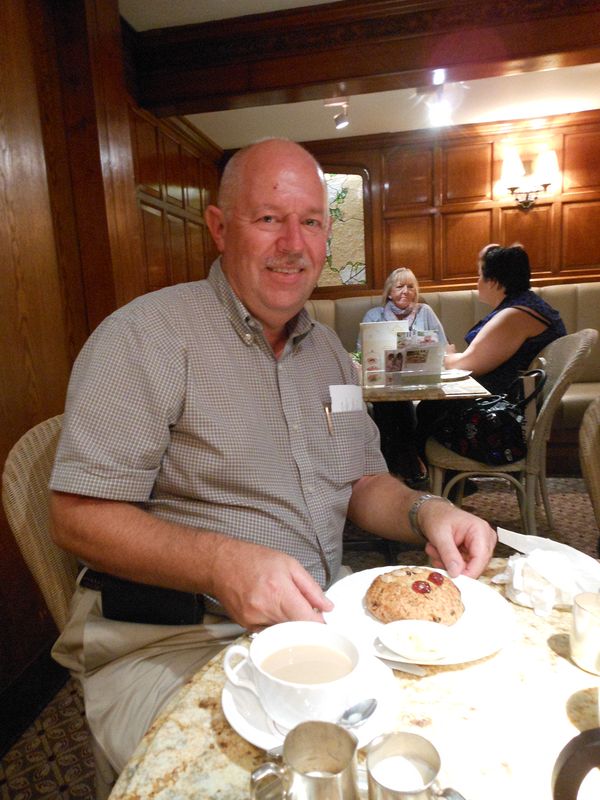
506,340
396,421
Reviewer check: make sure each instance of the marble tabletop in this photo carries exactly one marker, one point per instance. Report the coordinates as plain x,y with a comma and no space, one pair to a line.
465,389
498,723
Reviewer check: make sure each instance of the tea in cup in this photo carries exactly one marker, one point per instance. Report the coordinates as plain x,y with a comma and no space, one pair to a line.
298,671
404,766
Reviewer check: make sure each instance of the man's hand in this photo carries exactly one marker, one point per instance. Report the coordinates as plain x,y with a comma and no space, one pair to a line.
457,541
259,586
256,585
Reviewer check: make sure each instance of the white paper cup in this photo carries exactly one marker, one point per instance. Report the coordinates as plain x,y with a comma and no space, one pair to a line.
585,631
308,696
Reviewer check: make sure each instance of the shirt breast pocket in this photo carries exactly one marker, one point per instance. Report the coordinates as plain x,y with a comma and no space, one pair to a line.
345,446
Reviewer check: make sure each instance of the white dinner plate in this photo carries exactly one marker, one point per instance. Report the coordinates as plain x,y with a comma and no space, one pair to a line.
455,374
247,717
484,628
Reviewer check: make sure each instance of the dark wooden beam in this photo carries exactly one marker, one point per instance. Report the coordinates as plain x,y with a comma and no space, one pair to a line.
353,47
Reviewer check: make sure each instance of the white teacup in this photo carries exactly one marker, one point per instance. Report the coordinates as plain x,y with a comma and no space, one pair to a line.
299,671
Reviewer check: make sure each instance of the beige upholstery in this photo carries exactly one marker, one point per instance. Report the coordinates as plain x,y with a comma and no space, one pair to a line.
25,499
589,453
458,310
563,361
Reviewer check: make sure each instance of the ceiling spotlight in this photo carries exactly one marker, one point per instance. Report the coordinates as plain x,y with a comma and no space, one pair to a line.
341,120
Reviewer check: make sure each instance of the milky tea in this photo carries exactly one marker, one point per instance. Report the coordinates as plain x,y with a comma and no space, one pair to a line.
307,663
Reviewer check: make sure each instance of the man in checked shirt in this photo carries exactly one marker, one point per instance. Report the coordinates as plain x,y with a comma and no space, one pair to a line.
199,454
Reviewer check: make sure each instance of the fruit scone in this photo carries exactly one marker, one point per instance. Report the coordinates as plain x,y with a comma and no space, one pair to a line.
414,593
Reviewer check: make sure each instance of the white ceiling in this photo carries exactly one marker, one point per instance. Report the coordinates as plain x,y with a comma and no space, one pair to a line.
527,95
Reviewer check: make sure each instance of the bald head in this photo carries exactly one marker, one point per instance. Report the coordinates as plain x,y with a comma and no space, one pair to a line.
249,161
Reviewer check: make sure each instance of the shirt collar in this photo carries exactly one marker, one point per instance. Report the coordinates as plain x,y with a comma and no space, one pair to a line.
245,325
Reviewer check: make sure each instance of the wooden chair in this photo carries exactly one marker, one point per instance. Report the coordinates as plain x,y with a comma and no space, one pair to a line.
25,498
563,361
589,455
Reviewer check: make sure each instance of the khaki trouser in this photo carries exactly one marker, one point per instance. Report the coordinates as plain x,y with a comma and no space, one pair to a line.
129,671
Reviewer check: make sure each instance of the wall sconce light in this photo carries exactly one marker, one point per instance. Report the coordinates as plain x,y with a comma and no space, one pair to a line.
524,187
341,120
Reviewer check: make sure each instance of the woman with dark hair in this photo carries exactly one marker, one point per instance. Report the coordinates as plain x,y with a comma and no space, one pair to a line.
521,324
505,341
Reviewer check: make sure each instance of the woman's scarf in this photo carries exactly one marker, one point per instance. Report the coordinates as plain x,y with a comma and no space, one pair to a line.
391,312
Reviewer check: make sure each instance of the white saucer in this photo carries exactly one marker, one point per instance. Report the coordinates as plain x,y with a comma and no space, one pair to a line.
247,717
455,374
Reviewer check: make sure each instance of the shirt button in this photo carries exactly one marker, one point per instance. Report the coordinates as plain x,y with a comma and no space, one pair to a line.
295,427
248,339
310,489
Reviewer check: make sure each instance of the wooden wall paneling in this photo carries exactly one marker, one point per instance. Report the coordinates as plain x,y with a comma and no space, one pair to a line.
177,249
100,152
454,175
409,243
64,216
198,258
464,233
407,177
533,229
193,181
581,224
581,162
148,164
116,152
34,354
467,173
174,173
176,178
155,250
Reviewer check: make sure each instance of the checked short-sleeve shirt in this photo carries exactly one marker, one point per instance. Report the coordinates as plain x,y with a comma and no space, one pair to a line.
177,403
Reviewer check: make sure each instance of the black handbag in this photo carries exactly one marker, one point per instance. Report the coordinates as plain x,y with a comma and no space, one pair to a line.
490,429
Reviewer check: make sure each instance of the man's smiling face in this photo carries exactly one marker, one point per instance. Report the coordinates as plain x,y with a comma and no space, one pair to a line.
273,236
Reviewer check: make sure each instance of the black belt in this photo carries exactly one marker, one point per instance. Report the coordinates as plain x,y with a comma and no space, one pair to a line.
129,601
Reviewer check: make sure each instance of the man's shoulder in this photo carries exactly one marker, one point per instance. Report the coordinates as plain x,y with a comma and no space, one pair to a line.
176,300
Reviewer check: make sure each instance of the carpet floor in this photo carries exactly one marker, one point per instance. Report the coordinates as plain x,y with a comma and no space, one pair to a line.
52,759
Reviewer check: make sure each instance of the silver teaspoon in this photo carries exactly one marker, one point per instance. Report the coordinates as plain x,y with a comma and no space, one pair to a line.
351,718
358,713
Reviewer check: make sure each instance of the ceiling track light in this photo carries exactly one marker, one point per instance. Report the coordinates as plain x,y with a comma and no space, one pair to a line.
341,119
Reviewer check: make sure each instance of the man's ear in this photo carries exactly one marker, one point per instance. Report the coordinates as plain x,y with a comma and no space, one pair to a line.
213,216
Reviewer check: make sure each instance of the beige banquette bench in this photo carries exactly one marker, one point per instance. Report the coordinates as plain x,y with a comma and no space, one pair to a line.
578,303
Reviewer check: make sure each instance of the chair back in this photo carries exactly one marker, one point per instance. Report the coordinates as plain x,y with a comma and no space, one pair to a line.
589,453
563,360
25,496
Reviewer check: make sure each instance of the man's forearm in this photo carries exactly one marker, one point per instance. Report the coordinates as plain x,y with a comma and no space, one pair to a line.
124,540
380,505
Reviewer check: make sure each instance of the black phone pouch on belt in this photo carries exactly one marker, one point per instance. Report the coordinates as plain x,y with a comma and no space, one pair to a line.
128,601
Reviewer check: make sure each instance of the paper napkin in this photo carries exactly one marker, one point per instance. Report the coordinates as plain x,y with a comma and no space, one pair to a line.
546,574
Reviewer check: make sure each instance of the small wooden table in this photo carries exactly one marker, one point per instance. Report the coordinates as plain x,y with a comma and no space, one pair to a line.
499,723
465,389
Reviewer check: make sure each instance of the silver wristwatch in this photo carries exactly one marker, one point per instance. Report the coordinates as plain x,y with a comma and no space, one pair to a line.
413,511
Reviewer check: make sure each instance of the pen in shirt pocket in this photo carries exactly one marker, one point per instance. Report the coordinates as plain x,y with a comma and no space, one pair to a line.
328,417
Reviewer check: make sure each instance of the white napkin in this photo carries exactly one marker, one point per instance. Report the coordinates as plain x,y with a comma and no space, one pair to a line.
546,574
